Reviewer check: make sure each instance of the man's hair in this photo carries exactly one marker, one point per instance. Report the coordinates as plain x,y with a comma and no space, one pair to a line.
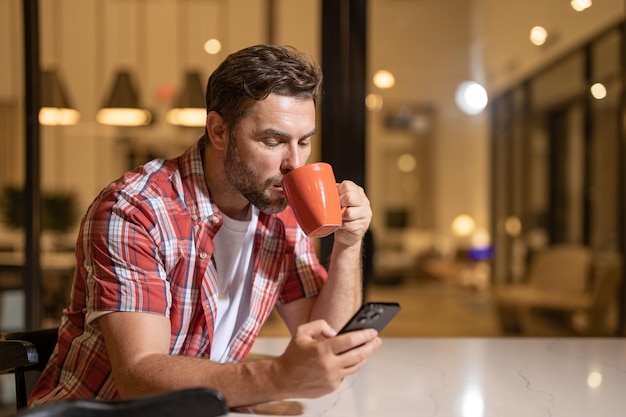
253,73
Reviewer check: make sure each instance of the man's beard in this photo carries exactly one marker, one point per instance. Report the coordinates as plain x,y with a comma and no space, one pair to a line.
244,179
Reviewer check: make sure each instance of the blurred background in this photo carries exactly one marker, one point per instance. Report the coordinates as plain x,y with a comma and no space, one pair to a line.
489,135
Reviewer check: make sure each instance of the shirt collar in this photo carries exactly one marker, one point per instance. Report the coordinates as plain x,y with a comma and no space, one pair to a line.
197,194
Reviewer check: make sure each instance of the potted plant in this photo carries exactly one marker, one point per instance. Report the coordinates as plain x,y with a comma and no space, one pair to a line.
59,210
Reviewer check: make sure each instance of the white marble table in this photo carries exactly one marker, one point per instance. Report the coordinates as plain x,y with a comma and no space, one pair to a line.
475,377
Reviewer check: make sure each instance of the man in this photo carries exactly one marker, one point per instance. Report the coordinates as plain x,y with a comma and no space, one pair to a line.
181,261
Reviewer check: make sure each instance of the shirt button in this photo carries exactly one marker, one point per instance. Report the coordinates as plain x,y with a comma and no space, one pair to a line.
203,255
215,219
194,218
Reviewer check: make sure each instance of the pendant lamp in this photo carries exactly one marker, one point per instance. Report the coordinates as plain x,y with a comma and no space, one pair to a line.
56,109
122,106
189,107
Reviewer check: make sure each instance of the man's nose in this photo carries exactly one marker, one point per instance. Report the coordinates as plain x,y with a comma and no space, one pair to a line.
292,159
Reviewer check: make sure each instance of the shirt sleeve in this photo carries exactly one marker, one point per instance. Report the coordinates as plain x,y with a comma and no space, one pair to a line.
124,272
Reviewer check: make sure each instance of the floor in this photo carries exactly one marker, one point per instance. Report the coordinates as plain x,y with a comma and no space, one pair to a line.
430,308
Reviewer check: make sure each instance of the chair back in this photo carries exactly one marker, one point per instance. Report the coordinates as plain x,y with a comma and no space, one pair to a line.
564,267
193,402
26,354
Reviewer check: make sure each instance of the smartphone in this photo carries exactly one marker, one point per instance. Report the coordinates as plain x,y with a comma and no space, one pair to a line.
372,316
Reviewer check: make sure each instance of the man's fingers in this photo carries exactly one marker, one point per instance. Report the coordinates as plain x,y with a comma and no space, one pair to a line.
318,329
348,341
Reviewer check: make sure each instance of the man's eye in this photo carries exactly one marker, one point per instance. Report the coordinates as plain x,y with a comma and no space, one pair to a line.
271,143
305,143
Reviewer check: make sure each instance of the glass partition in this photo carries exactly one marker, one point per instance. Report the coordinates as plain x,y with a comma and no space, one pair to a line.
556,159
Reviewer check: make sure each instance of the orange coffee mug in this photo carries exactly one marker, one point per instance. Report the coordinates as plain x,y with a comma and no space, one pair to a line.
311,191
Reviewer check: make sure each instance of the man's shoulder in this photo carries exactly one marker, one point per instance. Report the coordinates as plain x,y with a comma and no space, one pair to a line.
160,175
153,184
146,180
159,188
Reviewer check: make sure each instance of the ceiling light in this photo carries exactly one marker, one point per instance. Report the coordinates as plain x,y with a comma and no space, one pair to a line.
122,106
56,109
384,79
463,225
580,5
598,91
471,97
538,35
212,46
190,106
594,380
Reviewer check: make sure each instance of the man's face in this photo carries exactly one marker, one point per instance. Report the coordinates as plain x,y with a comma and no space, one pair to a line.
273,138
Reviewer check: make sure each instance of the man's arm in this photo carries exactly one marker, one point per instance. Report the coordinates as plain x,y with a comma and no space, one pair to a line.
342,293
313,364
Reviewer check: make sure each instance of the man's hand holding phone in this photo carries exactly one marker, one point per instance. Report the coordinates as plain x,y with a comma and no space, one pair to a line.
318,358
315,362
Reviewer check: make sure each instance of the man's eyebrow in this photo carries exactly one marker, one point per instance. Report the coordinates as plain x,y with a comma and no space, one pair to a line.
273,132
310,134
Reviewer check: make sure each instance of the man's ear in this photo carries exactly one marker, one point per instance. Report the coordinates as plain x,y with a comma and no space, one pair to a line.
216,128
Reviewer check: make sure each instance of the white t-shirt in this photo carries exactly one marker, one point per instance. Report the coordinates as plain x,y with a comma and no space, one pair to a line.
232,252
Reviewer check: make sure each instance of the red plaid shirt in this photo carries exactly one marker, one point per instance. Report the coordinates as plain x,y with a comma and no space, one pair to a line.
146,245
